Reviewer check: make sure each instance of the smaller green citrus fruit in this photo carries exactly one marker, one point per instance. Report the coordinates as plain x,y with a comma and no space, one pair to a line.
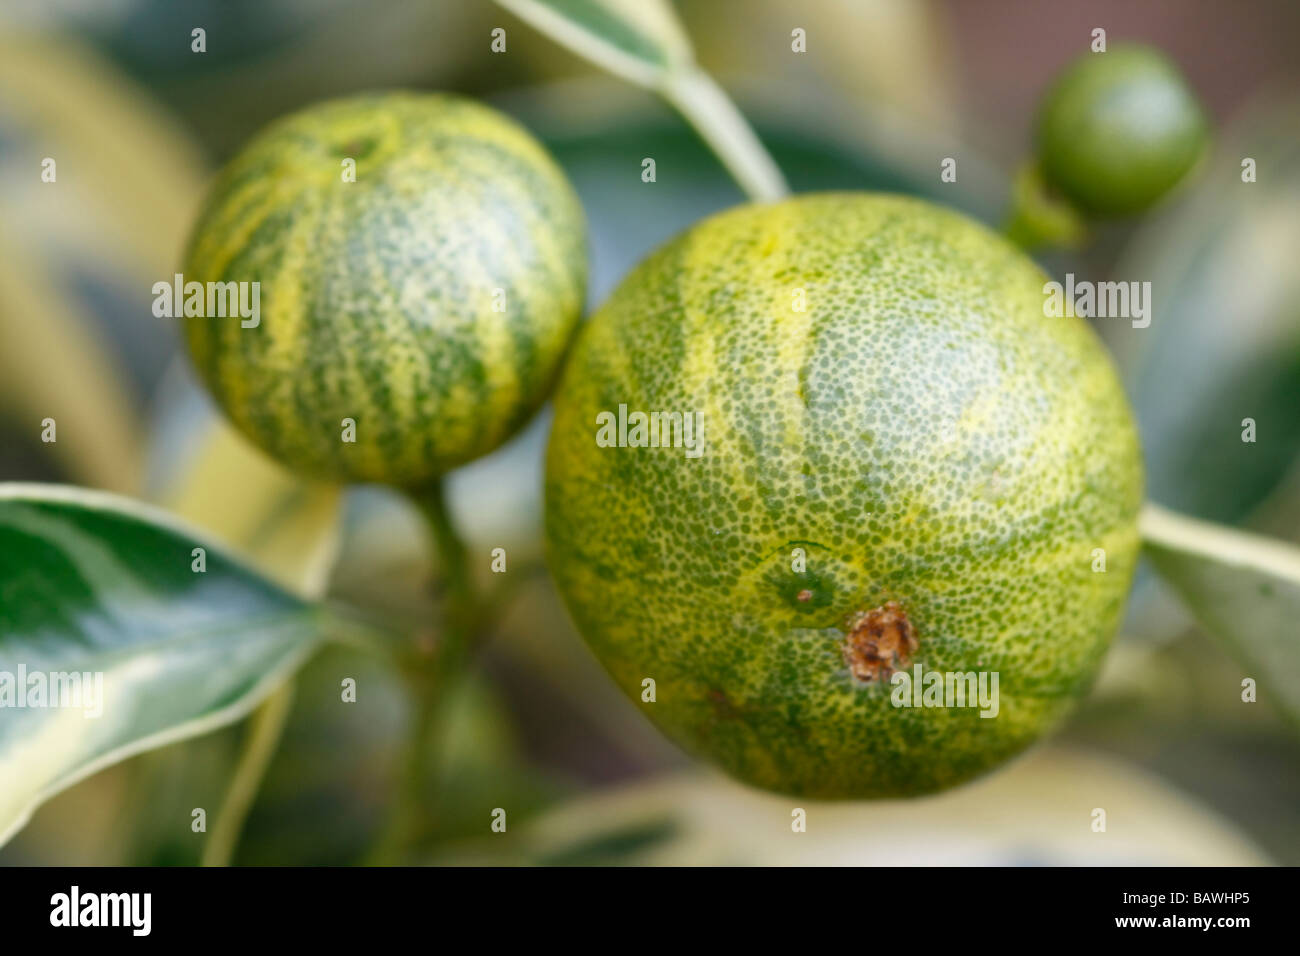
421,266
1119,130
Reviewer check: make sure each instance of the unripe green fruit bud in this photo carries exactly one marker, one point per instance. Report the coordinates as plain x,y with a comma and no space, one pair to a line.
1118,130
421,267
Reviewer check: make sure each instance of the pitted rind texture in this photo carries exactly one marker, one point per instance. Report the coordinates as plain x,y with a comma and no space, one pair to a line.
922,432
430,301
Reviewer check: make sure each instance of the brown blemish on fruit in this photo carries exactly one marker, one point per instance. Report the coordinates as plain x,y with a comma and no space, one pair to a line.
879,642
804,596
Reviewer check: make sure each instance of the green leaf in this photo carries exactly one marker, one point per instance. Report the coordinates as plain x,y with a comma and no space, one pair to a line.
52,368
130,177
1243,588
1224,341
94,584
643,42
639,40
129,181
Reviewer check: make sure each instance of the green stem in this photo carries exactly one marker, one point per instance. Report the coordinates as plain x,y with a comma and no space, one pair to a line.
430,676
461,608
706,106
1218,543
1037,218
265,730
359,629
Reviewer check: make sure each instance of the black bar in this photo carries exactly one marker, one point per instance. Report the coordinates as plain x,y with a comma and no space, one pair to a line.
333,906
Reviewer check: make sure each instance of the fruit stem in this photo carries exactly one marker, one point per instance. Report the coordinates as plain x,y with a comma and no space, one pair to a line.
706,106
1038,218
464,616
431,676
462,599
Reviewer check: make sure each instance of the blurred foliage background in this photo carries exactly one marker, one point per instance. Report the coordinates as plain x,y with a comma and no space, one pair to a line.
137,122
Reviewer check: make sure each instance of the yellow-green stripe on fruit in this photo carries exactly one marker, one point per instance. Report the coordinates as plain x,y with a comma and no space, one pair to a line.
430,301
950,462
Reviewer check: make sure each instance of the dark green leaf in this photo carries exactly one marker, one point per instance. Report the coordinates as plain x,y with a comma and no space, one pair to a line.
1224,341
100,603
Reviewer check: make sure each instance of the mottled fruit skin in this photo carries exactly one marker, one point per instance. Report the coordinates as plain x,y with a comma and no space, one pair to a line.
430,301
1119,130
945,456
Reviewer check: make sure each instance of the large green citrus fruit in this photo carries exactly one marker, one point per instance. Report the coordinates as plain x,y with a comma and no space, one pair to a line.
429,301
1118,130
919,468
